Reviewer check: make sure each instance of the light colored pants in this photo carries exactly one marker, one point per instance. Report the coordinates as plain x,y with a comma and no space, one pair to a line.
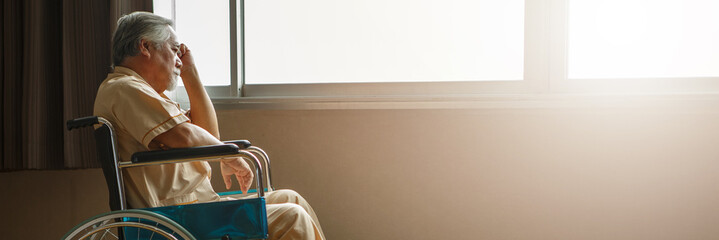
290,216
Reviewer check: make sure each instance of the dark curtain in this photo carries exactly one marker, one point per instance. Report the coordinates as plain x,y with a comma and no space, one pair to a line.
53,56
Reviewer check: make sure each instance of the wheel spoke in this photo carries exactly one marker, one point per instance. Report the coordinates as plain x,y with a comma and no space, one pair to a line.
86,230
105,233
96,226
153,233
100,224
108,231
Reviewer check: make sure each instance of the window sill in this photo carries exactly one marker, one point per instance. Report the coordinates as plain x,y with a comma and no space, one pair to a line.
494,101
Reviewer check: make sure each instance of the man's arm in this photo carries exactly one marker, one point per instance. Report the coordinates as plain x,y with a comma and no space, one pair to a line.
204,129
190,135
202,111
186,135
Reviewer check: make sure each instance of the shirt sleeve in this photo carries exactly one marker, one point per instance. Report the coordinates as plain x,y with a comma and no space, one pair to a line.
144,113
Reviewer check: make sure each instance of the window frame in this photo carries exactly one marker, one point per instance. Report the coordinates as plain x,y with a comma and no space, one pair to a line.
545,70
231,91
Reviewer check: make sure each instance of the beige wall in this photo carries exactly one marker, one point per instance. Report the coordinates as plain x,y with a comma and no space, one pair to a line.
594,169
635,168
47,204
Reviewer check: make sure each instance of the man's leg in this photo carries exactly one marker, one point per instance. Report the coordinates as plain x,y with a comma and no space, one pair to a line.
290,221
278,214
290,196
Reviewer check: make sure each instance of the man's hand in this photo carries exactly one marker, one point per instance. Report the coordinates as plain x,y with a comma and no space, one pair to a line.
185,55
240,169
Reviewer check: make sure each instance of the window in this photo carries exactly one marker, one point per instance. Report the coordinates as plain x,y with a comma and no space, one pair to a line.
454,47
637,46
355,42
642,39
329,41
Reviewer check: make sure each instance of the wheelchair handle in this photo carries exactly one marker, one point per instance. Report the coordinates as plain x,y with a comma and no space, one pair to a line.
82,122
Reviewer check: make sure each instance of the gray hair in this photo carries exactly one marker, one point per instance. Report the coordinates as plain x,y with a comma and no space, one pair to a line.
134,27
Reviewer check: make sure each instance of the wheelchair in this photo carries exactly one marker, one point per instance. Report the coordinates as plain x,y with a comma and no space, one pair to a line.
237,219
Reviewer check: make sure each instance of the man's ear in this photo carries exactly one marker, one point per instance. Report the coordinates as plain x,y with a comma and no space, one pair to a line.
145,48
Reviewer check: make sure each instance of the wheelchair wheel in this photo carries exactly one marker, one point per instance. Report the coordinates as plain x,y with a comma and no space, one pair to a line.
128,224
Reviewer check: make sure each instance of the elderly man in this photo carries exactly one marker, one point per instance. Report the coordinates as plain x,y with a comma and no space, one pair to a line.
148,59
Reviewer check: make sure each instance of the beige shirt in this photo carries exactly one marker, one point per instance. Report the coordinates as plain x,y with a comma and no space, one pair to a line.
139,114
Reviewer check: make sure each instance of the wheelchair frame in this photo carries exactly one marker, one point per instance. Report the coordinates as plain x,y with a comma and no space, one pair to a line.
162,217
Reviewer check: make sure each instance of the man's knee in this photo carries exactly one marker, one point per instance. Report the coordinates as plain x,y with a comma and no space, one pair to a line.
287,193
285,196
287,213
293,210
290,221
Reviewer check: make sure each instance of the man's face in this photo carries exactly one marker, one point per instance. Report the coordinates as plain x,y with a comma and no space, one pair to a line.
167,62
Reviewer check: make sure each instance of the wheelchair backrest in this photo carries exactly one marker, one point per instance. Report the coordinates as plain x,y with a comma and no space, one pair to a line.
106,156
105,143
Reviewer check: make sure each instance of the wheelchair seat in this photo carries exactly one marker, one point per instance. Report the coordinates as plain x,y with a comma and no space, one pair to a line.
241,219
244,218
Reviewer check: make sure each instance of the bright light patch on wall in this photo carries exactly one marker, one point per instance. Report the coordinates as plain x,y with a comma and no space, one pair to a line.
643,39
328,41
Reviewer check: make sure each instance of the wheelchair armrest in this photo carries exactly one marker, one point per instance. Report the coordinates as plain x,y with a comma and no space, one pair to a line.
197,154
243,144
185,153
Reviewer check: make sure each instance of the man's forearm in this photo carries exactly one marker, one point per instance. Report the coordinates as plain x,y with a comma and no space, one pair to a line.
202,112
